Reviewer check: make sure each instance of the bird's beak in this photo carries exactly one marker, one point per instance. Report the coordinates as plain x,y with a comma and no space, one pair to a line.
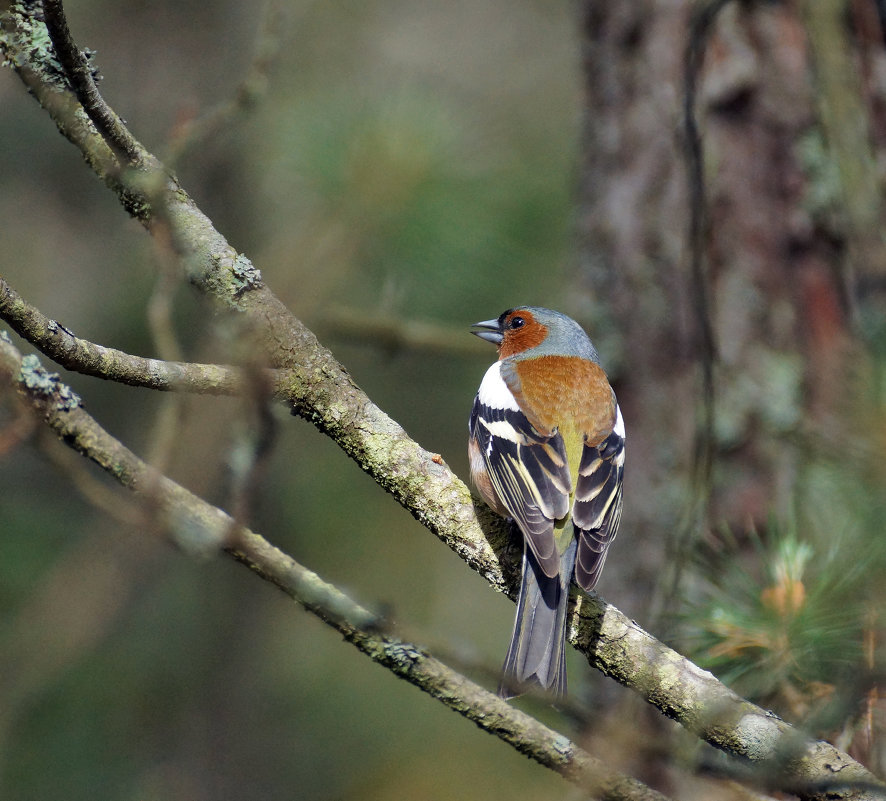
491,332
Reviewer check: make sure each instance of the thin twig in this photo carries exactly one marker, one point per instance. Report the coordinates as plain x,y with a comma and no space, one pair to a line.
699,33
250,454
248,93
79,73
170,414
395,335
99,495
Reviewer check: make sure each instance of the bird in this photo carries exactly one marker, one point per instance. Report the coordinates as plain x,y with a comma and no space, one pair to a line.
547,449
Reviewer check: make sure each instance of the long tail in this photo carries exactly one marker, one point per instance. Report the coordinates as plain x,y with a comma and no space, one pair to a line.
537,653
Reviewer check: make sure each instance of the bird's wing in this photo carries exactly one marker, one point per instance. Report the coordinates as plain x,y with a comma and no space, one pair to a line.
529,473
596,511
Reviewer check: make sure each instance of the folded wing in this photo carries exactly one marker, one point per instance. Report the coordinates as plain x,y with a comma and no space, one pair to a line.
529,473
596,512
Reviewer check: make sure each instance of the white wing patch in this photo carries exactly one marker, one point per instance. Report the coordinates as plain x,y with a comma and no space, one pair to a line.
619,427
504,430
493,391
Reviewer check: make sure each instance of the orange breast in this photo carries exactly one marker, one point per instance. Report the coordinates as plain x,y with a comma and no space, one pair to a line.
559,391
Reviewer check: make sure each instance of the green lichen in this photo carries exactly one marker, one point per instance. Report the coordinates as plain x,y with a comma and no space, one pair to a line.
39,381
402,654
245,275
136,204
25,42
563,746
228,274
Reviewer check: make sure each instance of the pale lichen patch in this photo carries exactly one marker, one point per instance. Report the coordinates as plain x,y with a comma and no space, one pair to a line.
38,380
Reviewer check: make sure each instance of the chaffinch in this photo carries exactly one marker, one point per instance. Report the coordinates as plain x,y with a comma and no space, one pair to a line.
547,449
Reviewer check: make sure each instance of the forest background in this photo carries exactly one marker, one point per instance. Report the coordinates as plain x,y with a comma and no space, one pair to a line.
398,171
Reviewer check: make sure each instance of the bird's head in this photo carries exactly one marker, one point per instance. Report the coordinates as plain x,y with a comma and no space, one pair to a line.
535,331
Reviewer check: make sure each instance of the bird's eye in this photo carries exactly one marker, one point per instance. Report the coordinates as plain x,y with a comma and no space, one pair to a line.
517,322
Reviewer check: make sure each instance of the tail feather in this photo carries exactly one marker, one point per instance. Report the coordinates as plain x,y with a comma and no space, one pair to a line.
537,653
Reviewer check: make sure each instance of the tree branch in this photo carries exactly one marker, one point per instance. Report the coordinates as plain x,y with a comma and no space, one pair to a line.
194,524
612,643
88,358
317,387
79,73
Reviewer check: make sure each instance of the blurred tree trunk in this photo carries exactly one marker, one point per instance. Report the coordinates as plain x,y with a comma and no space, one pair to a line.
790,105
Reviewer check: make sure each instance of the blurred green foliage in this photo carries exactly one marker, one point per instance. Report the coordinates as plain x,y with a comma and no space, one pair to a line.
795,622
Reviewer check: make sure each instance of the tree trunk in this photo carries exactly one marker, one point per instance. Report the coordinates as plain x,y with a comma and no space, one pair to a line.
784,254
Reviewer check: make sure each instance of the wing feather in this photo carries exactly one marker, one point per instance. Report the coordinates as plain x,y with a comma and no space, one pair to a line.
529,474
596,511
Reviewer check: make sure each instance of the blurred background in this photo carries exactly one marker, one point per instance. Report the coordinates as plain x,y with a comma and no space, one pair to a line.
399,163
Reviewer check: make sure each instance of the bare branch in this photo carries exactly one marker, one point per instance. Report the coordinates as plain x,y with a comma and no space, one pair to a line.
82,356
701,28
79,73
189,521
394,334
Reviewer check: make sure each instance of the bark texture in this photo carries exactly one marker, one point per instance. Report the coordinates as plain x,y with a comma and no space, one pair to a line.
790,120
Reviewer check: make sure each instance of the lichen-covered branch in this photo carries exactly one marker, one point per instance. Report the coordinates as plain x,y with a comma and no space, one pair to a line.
79,73
82,356
196,525
317,387
783,757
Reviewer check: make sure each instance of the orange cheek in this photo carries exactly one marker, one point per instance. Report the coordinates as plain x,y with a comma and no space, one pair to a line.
516,341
